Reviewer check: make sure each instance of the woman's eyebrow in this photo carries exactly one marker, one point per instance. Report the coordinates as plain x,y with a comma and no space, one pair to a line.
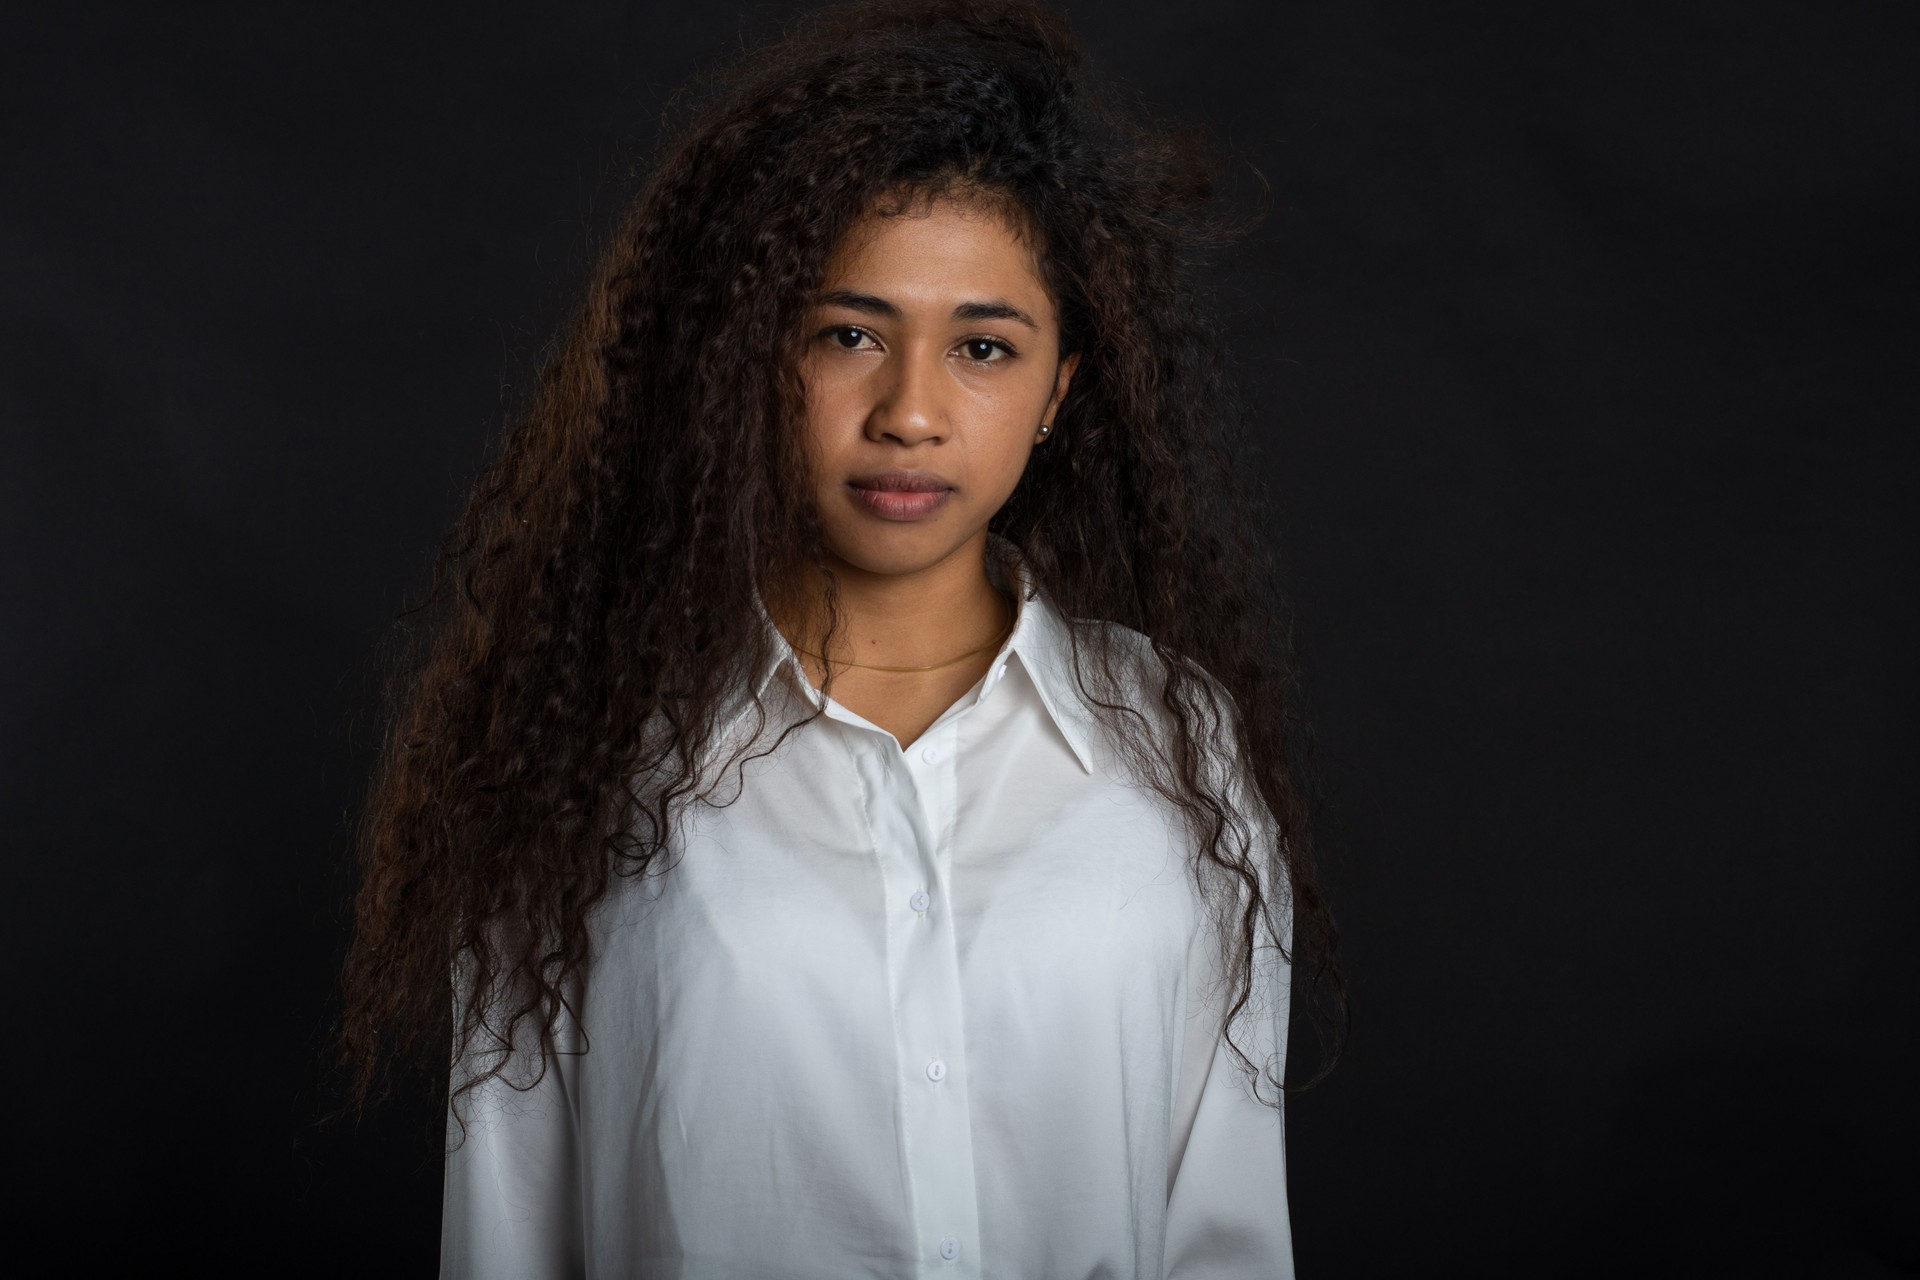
868,304
994,310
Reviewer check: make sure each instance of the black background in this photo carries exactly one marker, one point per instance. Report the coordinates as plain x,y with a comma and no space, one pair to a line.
1581,341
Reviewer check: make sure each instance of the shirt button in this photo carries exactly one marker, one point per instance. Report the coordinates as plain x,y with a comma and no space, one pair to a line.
936,1070
919,901
949,1248
930,754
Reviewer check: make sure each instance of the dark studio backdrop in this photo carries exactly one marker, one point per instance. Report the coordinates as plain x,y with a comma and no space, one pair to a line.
1581,339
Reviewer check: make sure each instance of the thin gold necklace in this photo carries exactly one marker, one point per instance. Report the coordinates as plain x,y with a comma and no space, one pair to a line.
1012,617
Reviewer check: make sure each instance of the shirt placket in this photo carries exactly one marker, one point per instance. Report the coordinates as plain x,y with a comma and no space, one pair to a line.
912,796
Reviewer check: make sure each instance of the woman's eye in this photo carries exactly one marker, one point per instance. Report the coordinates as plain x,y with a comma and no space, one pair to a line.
847,336
983,350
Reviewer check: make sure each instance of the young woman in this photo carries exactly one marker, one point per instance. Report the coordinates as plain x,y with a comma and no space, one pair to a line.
853,781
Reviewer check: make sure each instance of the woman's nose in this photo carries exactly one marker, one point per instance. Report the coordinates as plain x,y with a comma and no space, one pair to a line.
909,405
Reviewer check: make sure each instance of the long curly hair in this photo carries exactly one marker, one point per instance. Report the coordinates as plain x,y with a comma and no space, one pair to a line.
593,604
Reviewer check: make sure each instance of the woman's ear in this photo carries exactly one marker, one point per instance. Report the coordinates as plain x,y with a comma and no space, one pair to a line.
1068,364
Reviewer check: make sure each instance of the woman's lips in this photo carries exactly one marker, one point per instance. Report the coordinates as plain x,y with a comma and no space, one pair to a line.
901,504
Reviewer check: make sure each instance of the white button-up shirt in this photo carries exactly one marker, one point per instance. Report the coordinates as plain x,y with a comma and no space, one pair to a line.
942,1012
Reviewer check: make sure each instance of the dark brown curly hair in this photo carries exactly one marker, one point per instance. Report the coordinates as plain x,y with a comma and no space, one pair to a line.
593,604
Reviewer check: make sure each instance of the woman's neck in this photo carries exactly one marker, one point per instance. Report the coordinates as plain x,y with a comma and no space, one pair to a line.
917,619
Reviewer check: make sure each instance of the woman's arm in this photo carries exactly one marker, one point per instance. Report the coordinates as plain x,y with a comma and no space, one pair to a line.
1227,1194
1227,1216
512,1202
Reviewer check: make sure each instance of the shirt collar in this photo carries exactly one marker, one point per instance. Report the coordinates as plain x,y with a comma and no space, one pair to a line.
1040,641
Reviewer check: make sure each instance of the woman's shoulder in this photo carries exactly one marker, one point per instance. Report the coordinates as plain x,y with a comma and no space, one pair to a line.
1144,668
1135,683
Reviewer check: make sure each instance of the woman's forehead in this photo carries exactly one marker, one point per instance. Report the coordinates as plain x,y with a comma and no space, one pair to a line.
936,244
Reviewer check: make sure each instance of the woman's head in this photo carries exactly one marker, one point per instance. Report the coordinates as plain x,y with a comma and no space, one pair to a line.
774,317
873,114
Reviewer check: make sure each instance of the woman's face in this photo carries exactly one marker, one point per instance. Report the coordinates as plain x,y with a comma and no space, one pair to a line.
933,350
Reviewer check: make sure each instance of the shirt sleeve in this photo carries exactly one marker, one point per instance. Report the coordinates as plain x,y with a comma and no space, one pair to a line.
1227,1216
1227,1213
512,1200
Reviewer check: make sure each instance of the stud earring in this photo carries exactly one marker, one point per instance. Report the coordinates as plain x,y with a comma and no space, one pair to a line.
1044,428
